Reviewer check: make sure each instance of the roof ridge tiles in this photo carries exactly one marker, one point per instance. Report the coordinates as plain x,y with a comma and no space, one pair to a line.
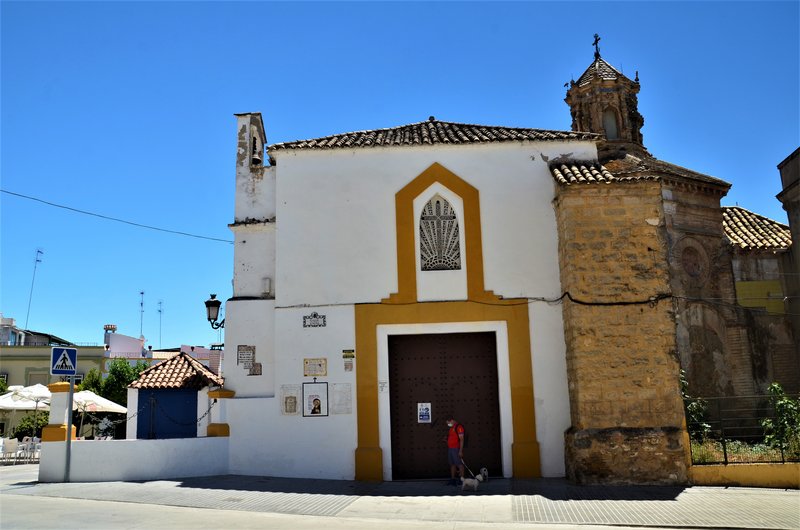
431,132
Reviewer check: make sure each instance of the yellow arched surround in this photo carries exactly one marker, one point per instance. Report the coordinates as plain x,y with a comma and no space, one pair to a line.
402,308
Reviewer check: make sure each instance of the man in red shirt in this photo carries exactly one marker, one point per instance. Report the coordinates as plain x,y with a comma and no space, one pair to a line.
455,451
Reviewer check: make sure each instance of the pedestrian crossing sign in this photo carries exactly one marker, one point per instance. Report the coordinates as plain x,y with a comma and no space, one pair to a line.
63,361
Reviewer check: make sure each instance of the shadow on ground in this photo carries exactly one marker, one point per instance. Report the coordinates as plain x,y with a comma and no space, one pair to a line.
553,489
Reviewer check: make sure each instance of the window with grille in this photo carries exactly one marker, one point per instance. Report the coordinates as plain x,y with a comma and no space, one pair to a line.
440,248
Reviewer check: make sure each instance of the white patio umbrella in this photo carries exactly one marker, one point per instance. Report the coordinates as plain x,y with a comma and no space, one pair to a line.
87,401
9,402
32,397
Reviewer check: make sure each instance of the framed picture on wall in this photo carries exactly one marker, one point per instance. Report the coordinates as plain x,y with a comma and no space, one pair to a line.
315,399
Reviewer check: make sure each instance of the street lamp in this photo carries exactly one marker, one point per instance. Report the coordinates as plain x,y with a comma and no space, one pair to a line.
212,311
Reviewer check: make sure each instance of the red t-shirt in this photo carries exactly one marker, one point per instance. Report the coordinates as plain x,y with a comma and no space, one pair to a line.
452,436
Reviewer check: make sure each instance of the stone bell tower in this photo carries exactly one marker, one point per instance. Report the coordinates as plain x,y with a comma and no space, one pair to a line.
604,101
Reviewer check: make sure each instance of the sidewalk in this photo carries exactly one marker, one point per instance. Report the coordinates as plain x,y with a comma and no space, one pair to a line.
499,503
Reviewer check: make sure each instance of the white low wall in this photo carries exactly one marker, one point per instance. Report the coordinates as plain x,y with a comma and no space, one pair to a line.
112,460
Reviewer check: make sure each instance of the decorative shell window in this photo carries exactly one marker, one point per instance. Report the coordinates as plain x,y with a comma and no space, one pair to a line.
439,244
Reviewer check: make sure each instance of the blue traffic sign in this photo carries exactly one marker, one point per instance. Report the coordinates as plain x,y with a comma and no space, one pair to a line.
63,361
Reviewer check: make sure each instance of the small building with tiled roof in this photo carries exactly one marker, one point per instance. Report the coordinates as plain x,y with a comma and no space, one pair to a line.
171,399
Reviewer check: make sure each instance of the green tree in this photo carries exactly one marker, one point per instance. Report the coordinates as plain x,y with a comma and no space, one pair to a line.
783,431
3,386
31,425
120,375
696,409
93,382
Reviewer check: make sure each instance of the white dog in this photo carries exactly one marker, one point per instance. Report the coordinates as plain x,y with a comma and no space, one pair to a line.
485,474
471,482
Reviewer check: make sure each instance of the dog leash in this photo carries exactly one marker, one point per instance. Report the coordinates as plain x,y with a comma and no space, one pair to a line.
467,468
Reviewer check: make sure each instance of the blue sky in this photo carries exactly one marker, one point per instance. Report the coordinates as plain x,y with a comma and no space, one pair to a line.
126,110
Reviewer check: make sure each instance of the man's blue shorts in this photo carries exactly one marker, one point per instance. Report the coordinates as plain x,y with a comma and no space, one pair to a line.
452,456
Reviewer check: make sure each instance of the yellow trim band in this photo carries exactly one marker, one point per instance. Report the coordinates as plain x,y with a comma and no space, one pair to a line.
406,255
56,388
403,308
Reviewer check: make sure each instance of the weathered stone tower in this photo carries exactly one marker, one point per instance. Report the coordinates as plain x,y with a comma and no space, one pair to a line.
627,420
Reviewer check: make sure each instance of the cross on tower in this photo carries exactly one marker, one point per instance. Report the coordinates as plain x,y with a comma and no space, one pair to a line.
596,45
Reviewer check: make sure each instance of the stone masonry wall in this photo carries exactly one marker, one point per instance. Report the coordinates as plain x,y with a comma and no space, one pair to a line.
623,373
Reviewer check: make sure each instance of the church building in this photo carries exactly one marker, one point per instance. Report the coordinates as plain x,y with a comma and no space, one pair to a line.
543,287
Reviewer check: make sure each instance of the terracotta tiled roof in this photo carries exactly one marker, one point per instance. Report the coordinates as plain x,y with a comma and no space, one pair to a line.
575,172
599,69
751,231
653,167
180,371
432,132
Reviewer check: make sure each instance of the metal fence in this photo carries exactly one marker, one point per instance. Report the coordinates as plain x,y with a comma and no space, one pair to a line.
730,430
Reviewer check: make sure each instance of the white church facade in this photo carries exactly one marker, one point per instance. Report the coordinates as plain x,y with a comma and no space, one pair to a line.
391,272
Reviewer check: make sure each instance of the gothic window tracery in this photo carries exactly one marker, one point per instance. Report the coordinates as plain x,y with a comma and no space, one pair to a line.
439,242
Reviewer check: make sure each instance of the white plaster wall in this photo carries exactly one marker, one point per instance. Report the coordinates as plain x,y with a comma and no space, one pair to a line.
550,390
203,412
251,323
254,260
336,217
255,190
114,460
131,428
266,442
119,343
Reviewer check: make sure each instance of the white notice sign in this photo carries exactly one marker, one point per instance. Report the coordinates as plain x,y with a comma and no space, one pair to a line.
423,412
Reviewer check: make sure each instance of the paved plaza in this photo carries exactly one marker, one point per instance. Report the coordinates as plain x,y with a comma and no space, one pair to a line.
268,502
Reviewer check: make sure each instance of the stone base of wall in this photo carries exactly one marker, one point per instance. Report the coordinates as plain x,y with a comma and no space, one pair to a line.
623,455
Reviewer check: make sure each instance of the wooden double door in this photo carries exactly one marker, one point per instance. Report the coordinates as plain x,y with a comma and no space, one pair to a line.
456,375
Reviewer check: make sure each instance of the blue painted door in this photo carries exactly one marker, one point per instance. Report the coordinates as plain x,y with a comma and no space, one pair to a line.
168,413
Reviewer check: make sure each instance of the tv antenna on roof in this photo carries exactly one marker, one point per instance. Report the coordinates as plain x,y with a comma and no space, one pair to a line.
141,312
36,261
160,311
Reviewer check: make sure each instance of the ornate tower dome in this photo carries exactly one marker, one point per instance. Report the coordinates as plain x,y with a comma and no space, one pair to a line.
604,101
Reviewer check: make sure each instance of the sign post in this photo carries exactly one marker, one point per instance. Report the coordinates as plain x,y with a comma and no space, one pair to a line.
64,361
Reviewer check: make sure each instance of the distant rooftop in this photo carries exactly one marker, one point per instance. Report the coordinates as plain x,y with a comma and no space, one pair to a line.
751,231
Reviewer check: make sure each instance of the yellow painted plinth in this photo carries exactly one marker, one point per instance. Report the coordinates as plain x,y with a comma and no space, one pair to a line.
218,429
747,475
369,464
56,433
221,394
